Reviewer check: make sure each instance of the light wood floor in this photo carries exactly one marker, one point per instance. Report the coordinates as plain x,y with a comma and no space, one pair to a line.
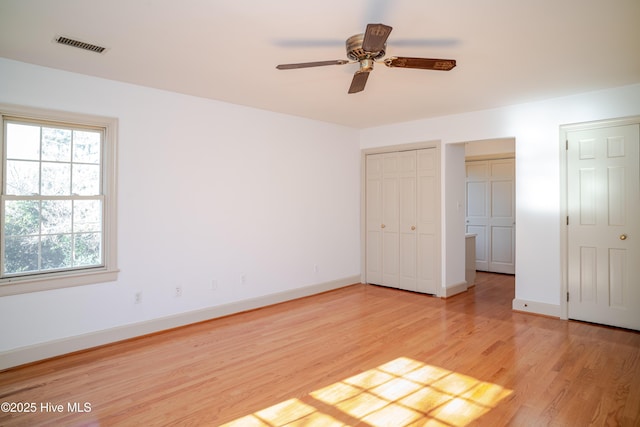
361,355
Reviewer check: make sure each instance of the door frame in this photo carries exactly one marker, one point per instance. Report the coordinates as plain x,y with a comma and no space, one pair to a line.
564,208
436,144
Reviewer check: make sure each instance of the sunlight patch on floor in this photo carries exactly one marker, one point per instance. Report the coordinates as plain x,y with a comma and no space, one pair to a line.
398,393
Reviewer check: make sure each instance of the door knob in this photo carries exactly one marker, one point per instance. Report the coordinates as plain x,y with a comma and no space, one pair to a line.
382,226
623,237
413,227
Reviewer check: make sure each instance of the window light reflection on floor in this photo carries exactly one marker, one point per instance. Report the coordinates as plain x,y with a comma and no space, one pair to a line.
397,393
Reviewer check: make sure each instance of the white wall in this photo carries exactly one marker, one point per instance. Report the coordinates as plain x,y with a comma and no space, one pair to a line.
490,147
206,191
209,190
536,129
453,220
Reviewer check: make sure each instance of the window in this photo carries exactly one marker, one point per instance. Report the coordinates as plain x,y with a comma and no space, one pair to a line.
58,201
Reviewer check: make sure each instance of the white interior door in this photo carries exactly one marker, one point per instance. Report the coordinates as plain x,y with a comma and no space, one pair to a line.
477,221
603,231
407,224
427,227
502,219
390,220
402,203
383,219
490,214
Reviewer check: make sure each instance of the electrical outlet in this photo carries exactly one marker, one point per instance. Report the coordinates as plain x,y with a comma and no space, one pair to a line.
214,285
243,279
178,291
137,298
315,268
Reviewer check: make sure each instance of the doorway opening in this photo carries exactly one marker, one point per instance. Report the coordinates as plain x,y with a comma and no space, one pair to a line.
490,204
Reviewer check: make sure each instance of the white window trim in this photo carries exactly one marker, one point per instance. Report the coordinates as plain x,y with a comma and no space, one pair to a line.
63,279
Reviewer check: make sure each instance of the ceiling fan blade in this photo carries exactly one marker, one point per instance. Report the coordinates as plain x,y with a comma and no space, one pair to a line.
311,64
359,81
375,37
421,63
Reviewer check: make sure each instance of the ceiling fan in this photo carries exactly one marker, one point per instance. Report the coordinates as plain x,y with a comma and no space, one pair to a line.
367,49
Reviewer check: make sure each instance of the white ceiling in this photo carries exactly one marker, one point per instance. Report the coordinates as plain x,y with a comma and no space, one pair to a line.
508,51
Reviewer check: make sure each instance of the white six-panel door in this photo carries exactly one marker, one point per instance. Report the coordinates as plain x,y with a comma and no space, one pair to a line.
427,228
373,217
401,214
407,225
603,231
490,192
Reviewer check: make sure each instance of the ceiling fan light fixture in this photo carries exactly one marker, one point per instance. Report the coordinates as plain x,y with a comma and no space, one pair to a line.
366,64
366,49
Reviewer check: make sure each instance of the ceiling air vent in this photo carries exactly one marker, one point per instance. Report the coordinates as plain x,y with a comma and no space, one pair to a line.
80,45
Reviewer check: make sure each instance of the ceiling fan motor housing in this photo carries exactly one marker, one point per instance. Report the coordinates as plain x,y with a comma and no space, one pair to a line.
357,53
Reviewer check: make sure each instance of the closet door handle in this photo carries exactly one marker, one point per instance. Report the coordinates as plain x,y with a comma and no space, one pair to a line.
413,227
382,226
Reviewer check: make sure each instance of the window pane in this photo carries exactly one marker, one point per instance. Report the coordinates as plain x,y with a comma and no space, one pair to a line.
23,178
56,179
23,142
56,144
86,180
87,215
53,217
87,249
20,254
56,216
22,217
56,251
86,147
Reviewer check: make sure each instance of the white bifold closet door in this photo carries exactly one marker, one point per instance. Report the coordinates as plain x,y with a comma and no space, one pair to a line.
401,220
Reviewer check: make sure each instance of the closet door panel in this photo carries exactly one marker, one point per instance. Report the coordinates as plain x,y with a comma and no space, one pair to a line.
490,192
427,226
373,219
390,220
477,215
502,239
407,224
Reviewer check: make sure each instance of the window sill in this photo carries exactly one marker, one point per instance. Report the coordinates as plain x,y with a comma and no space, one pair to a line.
45,282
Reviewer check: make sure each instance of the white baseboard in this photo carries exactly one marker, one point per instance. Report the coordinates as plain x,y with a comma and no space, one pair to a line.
452,290
41,351
533,307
